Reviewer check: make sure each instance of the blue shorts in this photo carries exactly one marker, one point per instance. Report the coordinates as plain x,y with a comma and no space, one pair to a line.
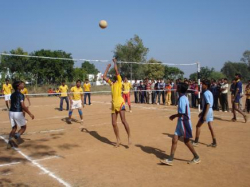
210,116
184,128
237,99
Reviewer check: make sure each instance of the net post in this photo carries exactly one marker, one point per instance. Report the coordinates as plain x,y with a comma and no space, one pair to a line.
199,85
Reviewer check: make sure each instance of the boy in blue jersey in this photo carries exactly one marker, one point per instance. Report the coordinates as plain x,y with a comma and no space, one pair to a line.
183,128
207,114
236,95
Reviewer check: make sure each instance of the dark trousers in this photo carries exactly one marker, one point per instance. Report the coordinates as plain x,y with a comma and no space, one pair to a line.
61,102
142,96
86,94
153,97
224,102
194,100
136,94
161,93
216,99
173,98
248,105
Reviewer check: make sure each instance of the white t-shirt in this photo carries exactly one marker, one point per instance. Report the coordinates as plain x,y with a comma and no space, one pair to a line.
224,86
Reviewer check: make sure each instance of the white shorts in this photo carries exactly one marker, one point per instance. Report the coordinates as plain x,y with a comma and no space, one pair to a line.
7,97
76,104
17,118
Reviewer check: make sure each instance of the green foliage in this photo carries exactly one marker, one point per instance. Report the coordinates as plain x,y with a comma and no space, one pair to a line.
246,57
80,74
208,73
132,51
230,68
89,68
154,71
173,73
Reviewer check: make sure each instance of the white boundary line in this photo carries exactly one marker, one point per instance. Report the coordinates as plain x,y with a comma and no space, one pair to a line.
39,166
15,163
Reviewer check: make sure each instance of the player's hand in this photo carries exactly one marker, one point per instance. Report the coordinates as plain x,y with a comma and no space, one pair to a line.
82,105
114,60
109,65
32,116
199,115
204,118
71,102
172,117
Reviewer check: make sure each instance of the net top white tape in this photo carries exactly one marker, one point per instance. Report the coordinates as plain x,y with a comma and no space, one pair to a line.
80,59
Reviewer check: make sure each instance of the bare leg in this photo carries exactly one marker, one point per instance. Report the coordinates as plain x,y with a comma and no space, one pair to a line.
174,146
237,108
13,131
125,123
22,130
190,147
198,131
211,129
116,130
7,104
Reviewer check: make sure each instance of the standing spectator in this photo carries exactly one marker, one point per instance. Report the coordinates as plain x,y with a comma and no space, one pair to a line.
142,89
247,92
215,92
157,94
224,95
161,87
153,90
168,93
126,92
87,87
173,90
148,92
136,92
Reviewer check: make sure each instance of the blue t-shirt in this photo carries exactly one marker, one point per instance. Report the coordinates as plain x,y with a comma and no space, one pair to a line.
238,86
207,99
183,107
16,99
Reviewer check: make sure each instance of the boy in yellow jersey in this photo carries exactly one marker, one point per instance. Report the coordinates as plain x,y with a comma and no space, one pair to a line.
86,88
7,92
63,89
76,101
24,91
118,104
126,92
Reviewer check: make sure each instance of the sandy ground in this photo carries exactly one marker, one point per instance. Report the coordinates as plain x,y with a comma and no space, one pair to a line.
58,154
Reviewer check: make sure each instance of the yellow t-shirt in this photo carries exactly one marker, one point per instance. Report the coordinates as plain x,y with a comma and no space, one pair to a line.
7,89
126,87
87,87
116,90
63,90
77,92
24,91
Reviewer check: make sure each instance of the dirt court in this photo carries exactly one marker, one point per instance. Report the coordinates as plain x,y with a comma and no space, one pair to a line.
58,154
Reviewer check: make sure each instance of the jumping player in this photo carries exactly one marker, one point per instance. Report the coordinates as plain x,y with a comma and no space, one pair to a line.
207,114
76,101
118,104
16,114
183,128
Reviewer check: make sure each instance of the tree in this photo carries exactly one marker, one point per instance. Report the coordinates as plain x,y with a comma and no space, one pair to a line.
173,73
132,51
230,68
89,68
154,71
246,57
80,74
207,73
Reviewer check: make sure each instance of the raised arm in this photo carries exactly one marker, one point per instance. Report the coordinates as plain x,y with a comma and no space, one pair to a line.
115,66
106,72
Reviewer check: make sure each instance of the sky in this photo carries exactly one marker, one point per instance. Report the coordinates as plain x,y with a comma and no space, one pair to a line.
182,31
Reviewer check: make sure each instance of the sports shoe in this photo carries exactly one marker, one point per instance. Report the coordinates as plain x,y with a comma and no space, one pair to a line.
194,161
234,119
212,145
69,121
195,144
167,162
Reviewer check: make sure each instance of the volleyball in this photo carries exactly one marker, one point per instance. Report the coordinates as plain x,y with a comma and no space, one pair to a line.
103,24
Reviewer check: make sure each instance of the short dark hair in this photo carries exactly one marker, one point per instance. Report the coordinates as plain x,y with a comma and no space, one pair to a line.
63,81
78,81
238,74
6,79
16,84
207,83
183,87
86,79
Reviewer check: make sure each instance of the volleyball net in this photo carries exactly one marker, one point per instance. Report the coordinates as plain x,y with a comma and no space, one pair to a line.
42,60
